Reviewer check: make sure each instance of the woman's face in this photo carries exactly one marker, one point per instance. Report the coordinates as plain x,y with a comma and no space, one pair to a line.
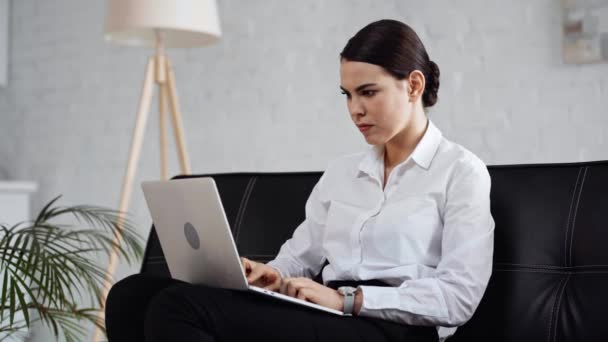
376,99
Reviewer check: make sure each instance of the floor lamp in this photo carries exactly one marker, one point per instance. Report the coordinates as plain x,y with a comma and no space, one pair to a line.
160,24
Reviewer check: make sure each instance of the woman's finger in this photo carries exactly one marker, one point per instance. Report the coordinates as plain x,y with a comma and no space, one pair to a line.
274,286
304,293
290,286
255,274
246,265
283,286
291,289
269,277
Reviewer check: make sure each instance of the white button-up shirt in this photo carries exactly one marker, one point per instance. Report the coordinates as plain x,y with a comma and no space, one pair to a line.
429,233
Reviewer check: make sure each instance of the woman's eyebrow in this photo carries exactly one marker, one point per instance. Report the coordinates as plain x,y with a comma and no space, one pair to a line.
359,88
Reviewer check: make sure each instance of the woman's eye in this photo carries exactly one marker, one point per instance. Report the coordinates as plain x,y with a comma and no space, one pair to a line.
369,93
343,93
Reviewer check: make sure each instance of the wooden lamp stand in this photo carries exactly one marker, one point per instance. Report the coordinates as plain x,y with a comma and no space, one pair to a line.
158,71
158,24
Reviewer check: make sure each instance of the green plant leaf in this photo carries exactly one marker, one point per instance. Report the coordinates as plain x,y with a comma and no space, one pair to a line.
43,213
4,289
12,302
50,264
23,304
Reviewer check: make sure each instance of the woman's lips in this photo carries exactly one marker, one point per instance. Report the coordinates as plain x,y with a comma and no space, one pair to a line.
364,128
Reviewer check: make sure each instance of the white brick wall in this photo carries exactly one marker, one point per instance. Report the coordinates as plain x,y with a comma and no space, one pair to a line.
4,25
266,97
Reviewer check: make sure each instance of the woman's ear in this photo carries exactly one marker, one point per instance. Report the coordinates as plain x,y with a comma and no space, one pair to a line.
416,85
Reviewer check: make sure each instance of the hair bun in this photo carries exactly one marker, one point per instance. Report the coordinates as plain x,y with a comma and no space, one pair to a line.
429,97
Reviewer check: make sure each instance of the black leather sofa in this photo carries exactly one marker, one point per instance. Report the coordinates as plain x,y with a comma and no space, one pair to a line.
550,276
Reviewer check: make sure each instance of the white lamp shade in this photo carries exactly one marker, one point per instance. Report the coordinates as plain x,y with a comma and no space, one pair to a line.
184,23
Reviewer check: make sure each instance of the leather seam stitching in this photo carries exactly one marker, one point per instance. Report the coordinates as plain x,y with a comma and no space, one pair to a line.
544,265
559,303
568,224
553,309
549,266
246,201
239,213
578,199
553,272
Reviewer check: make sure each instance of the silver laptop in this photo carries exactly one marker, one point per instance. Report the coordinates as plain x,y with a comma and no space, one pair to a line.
195,236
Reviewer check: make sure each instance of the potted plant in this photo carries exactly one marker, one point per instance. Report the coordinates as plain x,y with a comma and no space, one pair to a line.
48,268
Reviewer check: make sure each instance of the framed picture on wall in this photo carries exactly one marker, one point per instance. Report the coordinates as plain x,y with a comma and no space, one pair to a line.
585,27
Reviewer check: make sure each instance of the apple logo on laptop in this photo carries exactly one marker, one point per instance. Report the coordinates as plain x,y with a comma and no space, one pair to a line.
191,236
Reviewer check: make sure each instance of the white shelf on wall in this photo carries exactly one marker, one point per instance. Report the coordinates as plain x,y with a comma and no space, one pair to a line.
4,26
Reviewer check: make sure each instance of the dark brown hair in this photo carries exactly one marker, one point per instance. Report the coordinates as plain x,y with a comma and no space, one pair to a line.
395,47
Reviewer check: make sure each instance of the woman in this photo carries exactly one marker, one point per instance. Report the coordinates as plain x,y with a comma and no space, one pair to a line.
402,232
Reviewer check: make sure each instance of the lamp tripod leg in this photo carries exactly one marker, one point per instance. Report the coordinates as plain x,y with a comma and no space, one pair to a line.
162,104
177,121
136,143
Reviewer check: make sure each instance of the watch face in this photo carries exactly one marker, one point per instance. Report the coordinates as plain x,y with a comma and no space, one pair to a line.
347,290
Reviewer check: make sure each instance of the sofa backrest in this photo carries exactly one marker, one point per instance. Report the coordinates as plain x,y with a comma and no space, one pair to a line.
550,272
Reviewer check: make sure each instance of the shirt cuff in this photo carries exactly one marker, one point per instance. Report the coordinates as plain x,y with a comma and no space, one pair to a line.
378,298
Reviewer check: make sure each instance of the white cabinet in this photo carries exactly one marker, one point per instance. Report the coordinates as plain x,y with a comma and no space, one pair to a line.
15,201
15,208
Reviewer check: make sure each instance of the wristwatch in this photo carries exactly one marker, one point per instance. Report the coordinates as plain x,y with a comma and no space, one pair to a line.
349,298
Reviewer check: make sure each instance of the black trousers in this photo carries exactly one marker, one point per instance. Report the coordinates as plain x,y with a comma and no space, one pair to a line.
148,308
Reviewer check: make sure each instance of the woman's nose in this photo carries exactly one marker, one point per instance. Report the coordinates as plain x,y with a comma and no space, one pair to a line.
355,108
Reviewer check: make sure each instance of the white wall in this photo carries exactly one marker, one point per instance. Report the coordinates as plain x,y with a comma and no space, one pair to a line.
4,25
266,97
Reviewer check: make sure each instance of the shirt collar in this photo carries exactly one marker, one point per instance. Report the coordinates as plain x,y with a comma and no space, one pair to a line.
373,160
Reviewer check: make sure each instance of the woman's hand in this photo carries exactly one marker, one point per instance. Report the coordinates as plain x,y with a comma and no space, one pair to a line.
309,290
261,275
